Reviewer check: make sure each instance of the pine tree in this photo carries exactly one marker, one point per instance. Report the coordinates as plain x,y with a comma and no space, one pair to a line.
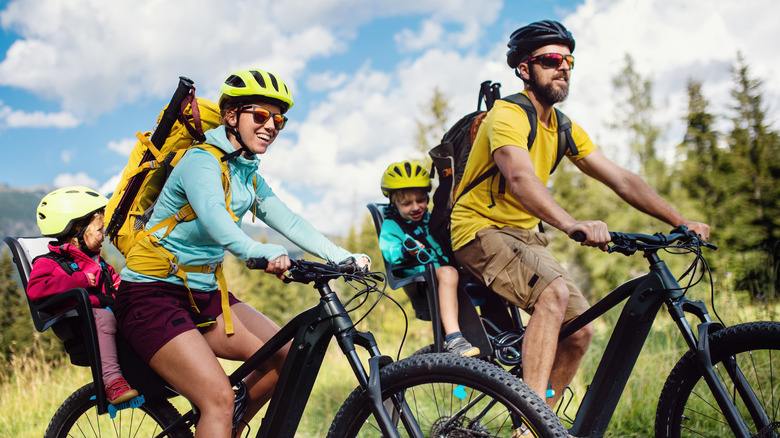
429,133
16,329
698,172
636,117
753,203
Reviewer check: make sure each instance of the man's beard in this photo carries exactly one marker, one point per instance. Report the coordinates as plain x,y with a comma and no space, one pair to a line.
549,94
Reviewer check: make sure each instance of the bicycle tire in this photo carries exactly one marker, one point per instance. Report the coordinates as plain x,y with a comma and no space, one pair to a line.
78,416
437,385
687,407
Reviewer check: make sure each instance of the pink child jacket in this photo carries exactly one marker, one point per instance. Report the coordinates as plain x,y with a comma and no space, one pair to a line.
48,278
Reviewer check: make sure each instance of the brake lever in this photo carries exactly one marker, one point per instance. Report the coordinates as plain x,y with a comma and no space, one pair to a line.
625,250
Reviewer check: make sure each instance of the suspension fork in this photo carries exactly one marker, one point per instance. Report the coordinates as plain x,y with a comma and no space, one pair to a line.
700,345
386,414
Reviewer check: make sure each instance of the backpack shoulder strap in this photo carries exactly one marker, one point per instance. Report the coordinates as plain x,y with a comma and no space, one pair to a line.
223,164
524,102
108,282
67,265
565,139
186,213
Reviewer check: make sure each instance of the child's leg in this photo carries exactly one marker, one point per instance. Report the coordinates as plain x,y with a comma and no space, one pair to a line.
448,308
105,323
447,277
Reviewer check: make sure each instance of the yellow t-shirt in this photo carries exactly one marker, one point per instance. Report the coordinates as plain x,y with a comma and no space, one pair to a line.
506,124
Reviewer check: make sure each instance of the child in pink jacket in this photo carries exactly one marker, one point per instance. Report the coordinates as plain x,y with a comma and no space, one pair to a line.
74,216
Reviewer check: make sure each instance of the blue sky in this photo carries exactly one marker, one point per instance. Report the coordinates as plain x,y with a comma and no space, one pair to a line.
78,78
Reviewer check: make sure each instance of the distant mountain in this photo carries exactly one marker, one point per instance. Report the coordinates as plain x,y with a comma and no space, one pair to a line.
17,210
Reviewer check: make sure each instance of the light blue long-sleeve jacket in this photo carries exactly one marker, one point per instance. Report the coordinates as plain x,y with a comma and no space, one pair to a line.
197,179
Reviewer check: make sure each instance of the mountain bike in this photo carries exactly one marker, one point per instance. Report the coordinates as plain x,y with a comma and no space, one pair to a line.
726,384
429,395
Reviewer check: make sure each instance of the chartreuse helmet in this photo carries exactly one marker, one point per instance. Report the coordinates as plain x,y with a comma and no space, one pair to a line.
63,208
405,175
254,85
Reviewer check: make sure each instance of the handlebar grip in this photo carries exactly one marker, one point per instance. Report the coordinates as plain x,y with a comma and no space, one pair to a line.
578,236
257,263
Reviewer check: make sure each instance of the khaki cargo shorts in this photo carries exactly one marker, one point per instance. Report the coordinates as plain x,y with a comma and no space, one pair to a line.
516,264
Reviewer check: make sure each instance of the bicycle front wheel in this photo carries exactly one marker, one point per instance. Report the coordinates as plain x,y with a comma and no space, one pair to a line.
78,417
450,396
746,358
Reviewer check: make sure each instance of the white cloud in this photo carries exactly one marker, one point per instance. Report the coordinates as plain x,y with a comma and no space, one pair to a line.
109,186
430,34
11,118
78,179
122,147
326,81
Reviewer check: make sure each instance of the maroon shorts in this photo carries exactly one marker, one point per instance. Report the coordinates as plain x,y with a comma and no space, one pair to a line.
149,315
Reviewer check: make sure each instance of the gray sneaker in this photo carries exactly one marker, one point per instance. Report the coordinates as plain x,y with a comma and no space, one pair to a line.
461,347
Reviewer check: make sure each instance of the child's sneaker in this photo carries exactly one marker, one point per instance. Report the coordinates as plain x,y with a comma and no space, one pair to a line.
119,391
461,347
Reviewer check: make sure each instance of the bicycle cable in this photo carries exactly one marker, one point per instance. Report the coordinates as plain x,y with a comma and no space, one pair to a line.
369,282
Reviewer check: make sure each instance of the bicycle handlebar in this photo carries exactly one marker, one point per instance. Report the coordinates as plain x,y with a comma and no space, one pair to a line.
305,271
629,243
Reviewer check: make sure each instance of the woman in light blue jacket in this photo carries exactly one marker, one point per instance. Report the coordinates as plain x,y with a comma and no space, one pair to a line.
157,314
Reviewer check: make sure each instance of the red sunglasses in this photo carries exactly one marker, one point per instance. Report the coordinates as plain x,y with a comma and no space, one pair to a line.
553,60
261,115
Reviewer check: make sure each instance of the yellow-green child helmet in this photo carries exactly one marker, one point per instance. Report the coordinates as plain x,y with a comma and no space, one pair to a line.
61,209
405,175
253,85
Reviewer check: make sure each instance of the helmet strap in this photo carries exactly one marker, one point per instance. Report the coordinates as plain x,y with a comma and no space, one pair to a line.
238,138
83,244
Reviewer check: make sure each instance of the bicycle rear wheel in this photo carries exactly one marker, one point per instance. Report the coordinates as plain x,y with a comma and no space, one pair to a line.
687,407
451,396
78,417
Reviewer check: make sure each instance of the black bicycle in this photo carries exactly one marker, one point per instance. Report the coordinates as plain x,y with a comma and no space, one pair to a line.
726,384
430,395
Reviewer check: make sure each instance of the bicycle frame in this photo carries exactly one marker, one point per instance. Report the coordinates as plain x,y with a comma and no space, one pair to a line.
311,332
646,294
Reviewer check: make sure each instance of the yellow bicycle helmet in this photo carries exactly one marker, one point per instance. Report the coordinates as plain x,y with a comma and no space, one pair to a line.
61,209
255,84
405,175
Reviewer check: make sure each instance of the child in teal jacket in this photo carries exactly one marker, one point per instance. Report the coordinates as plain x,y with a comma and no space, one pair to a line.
405,240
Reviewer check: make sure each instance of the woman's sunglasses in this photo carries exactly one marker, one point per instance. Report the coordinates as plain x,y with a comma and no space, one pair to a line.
553,60
261,115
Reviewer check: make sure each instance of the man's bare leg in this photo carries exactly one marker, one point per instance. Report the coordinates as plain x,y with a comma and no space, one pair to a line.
567,360
540,342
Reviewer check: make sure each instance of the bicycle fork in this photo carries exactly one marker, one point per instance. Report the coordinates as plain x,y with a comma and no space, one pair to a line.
700,345
386,414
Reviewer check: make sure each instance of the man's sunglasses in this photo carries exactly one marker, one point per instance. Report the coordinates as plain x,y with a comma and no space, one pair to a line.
261,115
553,60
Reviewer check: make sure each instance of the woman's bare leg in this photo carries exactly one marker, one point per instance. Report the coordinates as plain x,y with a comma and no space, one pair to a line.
252,331
188,363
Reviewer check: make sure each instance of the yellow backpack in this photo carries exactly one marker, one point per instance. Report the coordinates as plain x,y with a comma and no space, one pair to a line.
180,127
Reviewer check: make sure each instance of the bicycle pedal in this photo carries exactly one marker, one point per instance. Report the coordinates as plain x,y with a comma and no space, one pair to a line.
132,403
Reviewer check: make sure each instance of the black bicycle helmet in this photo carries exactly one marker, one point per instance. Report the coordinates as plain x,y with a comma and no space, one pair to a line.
525,40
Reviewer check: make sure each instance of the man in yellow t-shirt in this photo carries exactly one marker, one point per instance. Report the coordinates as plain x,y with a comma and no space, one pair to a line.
494,237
